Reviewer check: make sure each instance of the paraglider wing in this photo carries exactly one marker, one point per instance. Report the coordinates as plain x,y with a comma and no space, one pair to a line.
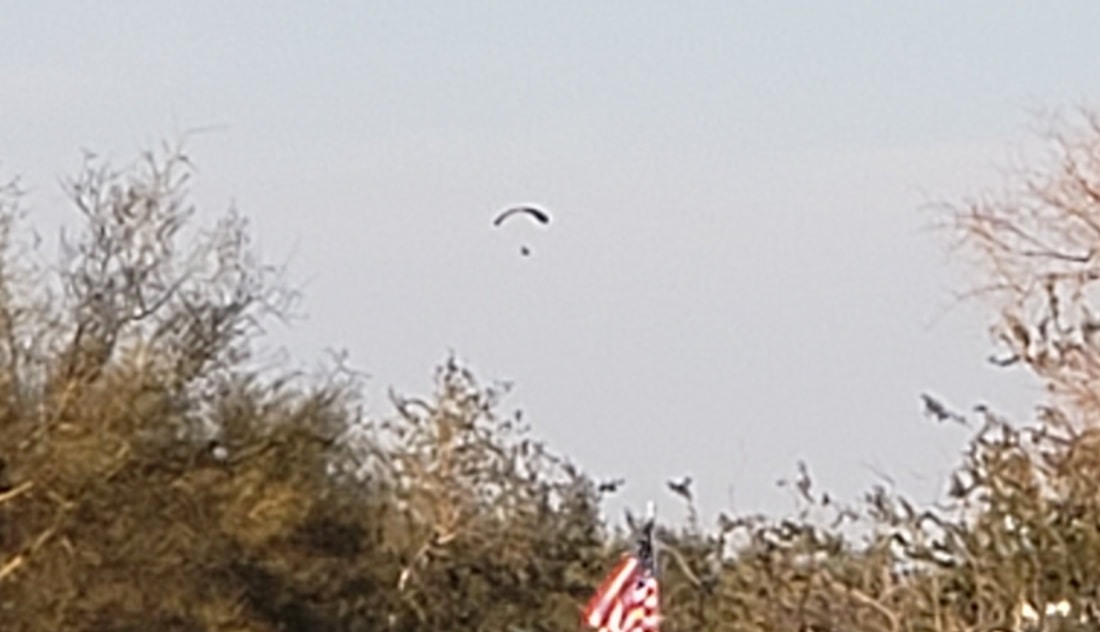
539,214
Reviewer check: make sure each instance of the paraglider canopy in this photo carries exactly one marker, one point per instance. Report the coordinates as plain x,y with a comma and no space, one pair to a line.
542,216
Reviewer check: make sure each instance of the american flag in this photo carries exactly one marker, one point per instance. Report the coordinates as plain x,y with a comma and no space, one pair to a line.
626,601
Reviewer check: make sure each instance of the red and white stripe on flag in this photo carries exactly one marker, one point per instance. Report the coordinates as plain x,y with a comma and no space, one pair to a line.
626,601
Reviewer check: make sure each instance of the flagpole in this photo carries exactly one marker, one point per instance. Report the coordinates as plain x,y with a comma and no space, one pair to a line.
646,553
648,557
627,600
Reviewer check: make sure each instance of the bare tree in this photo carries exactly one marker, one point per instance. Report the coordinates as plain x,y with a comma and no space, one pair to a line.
1038,248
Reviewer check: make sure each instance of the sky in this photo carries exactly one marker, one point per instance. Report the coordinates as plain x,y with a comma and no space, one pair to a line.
738,275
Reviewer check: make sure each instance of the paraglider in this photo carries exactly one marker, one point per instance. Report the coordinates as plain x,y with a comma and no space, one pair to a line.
538,214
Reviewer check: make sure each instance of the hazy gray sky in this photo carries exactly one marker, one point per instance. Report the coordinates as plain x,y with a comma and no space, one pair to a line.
736,277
